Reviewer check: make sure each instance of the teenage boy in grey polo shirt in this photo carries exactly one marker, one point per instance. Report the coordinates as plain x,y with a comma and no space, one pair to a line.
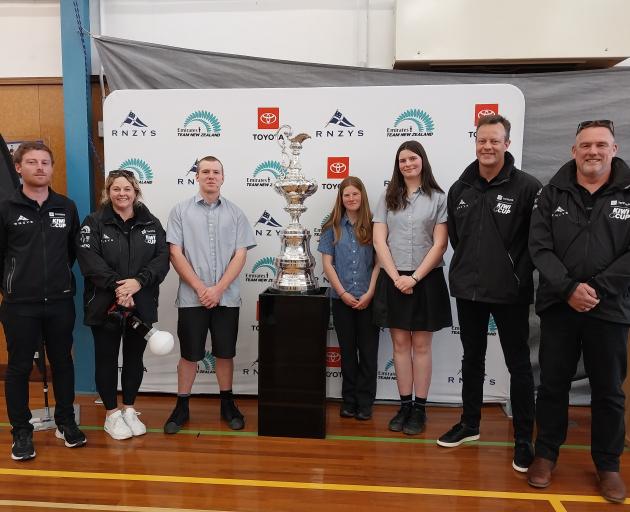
208,238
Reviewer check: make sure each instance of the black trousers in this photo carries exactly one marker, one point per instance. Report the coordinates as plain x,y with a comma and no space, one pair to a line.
358,342
564,334
107,341
512,322
25,326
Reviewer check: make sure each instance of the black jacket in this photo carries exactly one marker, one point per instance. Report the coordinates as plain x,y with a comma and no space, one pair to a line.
488,225
37,248
569,248
106,255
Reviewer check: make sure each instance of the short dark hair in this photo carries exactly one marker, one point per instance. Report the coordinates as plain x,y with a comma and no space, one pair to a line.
495,119
209,158
34,145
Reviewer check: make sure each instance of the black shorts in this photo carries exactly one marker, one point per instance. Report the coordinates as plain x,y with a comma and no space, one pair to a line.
193,325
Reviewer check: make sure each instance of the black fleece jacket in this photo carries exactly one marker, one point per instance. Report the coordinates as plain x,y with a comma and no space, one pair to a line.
488,225
570,247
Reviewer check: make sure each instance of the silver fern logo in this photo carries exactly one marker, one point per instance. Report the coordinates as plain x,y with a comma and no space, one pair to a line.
413,122
141,169
207,364
389,372
263,271
200,123
265,173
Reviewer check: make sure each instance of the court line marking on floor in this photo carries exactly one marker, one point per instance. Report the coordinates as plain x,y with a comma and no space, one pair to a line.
557,506
278,484
90,506
372,439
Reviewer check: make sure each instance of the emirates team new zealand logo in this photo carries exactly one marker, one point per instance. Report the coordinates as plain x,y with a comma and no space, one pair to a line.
200,123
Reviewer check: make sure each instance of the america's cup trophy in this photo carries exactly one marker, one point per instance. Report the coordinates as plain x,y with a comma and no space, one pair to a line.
295,262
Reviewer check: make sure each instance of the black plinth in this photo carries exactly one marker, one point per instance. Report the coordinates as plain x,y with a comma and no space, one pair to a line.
292,364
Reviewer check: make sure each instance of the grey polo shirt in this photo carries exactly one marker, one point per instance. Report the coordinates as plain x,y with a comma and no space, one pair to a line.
209,235
410,231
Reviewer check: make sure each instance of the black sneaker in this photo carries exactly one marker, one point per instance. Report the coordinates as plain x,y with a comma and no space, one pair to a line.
460,433
72,436
231,414
176,420
415,422
364,413
523,456
347,410
22,447
397,422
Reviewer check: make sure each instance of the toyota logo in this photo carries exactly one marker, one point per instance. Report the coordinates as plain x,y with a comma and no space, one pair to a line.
485,112
268,118
333,357
337,167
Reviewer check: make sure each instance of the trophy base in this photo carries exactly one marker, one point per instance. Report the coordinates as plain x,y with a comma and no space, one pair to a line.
292,335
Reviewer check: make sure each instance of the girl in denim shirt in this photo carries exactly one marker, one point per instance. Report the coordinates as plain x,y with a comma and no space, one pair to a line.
349,265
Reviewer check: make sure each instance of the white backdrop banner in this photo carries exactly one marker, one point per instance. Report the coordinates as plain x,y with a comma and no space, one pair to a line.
159,134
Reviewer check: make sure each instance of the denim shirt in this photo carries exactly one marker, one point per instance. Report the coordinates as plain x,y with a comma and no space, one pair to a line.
352,260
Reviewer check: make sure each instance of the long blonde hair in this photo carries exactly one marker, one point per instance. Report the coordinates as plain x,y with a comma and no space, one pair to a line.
363,226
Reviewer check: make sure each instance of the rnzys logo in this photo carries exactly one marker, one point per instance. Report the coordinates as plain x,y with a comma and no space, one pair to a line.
21,220
559,212
461,205
106,239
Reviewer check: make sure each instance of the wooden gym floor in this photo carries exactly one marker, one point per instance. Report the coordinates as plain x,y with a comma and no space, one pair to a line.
360,466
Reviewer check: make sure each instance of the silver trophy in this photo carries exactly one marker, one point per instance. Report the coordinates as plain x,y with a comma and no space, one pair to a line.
295,263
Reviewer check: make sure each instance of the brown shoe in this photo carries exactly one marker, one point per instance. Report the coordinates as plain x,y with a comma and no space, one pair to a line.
611,486
539,472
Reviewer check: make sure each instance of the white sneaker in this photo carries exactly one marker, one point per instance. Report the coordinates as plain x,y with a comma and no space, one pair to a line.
131,419
116,427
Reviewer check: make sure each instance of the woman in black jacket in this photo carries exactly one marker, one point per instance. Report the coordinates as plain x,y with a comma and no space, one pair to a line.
123,256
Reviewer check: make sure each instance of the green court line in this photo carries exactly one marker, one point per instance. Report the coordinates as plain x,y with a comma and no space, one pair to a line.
371,439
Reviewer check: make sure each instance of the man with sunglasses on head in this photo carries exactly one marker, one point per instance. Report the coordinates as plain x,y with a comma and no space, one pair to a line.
580,243
37,251
208,238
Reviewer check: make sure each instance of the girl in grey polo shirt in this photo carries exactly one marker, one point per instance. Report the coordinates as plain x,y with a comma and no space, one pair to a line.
411,298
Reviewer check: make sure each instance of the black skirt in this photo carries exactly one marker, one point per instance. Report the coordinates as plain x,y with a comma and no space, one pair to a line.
428,308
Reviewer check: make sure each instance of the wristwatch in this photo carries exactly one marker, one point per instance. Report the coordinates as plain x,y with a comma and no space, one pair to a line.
413,276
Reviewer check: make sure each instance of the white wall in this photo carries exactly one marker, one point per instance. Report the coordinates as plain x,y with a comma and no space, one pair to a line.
30,37
345,32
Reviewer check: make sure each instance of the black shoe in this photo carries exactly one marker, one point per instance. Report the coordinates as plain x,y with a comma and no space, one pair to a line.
397,422
460,433
231,414
72,436
523,456
348,410
22,447
364,413
176,420
416,422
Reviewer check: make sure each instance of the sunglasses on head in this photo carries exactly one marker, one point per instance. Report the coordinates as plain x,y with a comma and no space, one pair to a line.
605,123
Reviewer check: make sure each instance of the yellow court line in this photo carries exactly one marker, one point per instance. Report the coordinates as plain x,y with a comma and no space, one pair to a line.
89,506
304,485
557,506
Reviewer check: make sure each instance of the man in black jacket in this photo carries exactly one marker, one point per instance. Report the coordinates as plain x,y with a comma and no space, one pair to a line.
37,231
489,209
580,243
